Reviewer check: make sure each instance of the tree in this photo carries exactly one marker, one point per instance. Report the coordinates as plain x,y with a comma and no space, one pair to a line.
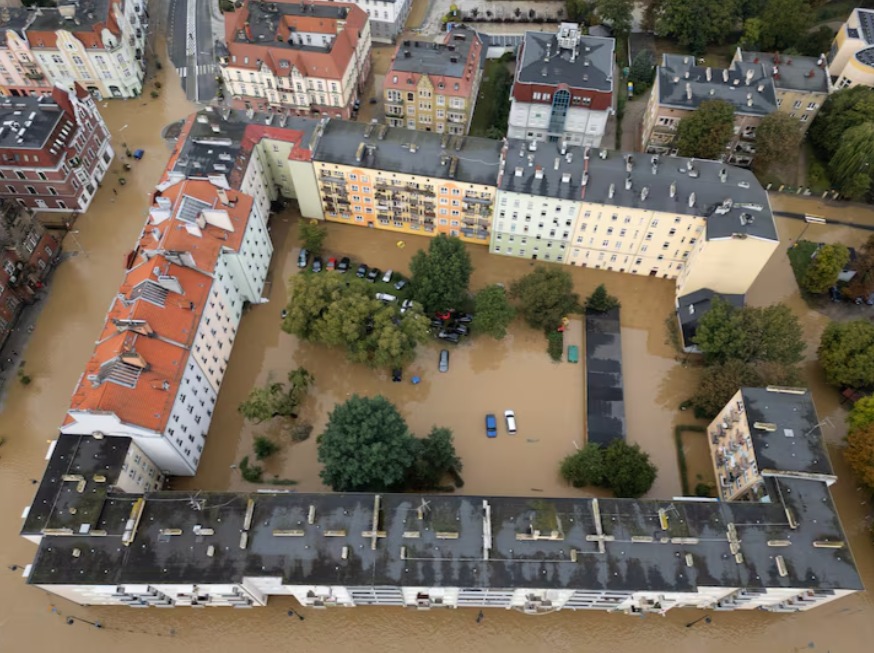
817,42
264,447
366,446
585,467
545,296
719,382
696,23
642,71
778,138
275,399
823,271
862,413
600,301
441,275
784,24
628,471
851,169
312,236
862,283
749,334
435,457
580,11
859,454
617,13
493,311
706,132
752,34
842,110
846,353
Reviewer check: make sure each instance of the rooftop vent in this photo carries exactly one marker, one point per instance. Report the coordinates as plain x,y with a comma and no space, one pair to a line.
707,73
628,183
519,170
691,200
723,175
673,189
538,172
725,75
644,193
611,191
688,91
602,153
566,178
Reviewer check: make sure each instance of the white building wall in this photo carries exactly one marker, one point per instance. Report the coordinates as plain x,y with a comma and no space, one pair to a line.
529,226
257,182
139,474
248,267
530,120
190,416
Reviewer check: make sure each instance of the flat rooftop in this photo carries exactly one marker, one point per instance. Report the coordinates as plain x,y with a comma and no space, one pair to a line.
791,72
393,149
793,440
446,541
273,23
605,395
683,84
27,122
429,58
579,61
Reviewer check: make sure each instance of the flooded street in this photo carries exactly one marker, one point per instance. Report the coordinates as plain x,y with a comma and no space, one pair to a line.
484,376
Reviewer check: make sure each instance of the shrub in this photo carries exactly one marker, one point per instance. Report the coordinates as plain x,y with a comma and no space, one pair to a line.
251,474
555,345
264,447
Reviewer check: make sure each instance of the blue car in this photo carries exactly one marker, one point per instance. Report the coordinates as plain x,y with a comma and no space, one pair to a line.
491,426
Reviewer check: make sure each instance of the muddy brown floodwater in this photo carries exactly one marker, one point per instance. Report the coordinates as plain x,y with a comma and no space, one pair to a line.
484,376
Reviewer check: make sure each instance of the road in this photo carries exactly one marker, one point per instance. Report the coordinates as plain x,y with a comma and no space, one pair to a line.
190,46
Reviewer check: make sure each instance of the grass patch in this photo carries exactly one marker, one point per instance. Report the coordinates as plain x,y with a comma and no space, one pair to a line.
799,258
681,455
493,104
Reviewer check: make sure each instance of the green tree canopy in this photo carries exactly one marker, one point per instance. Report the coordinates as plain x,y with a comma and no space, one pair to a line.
277,399
435,457
823,271
585,467
817,42
441,275
696,23
862,283
617,13
366,446
846,353
629,473
545,295
778,138
642,71
493,311
264,447
750,334
719,382
752,34
851,169
842,110
707,131
862,413
859,454
312,236
600,301
784,24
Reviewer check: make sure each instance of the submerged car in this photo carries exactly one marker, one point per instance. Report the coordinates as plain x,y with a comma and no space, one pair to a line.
510,418
373,275
491,426
362,271
317,264
343,265
443,361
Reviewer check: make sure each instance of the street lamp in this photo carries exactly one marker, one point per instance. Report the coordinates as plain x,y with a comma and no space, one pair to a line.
706,620
71,620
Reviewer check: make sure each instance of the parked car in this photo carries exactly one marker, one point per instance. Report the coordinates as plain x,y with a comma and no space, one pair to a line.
510,417
362,271
437,324
464,318
406,305
386,278
303,258
317,264
332,263
491,426
443,315
397,375
443,361
385,297
461,330
343,266
400,284
448,336
373,275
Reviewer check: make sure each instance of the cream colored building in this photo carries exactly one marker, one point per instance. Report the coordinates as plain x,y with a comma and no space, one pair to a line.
407,181
851,58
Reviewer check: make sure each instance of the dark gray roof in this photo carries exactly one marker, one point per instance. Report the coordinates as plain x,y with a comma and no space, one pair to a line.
87,14
26,122
427,154
282,543
683,84
73,456
748,213
13,18
866,24
429,58
264,17
792,72
590,66
605,396
692,307
797,444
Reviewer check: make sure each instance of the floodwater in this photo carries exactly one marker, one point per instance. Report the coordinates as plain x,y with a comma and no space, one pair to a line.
484,376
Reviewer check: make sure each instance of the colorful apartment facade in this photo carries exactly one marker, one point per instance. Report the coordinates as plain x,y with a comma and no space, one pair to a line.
20,72
434,86
54,150
307,58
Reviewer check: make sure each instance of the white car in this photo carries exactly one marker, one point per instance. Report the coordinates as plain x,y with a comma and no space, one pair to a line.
386,278
385,297
406,305
510,417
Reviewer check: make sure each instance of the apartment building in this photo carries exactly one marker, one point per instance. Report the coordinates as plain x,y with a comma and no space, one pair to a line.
764,435
434,86
99,44
640,214
388,18
801,84
309,58
20,72
89,466
27,254
681,85
407,181
851,58
54,150
563,87
158,365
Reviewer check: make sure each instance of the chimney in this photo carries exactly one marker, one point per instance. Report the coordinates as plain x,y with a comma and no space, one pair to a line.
586,153
557,162
707,73
566,178
628,183
538,172
629,163
760,88
673,190
602,154
691,200
749,76
518,172
644,193
688,91
583,182
725,75
563,148
612,191
723,175
749,102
